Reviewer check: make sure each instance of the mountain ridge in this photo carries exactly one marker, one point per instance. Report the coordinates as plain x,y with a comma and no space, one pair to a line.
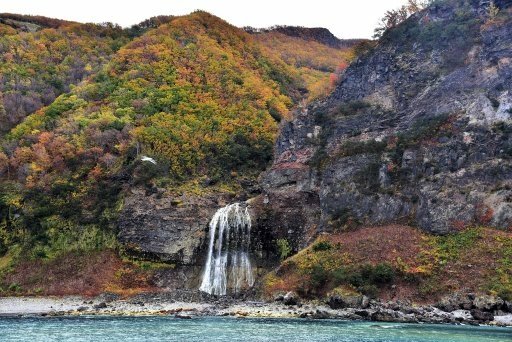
318,34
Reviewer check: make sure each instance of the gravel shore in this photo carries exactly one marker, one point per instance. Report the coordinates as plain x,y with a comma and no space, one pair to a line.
146,305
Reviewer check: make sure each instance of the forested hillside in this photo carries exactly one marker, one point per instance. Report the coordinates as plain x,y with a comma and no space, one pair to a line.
318,61
180,104
41,58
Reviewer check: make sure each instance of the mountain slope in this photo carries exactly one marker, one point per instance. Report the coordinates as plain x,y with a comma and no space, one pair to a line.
318,63
417,132
311,34
186,114
42,58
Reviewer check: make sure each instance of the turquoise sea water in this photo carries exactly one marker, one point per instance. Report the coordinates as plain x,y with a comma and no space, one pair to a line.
127,329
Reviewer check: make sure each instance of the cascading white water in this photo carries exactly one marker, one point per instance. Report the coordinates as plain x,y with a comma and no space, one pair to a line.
228,265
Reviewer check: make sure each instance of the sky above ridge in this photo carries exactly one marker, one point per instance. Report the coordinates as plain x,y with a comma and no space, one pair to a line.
344,18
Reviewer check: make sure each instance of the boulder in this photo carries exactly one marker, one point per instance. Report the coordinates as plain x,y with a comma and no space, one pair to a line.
482,315
341,298
291,298
180,316
454,302
107,297
362,313
320,314
487,303
279,297
384,316
101,305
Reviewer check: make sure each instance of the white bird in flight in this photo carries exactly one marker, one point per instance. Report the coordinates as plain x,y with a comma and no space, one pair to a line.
146,158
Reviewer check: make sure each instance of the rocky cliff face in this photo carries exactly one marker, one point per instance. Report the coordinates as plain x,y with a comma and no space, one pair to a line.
418,131
171,229
174,229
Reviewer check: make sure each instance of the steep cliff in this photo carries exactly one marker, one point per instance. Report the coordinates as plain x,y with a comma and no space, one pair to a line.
417,131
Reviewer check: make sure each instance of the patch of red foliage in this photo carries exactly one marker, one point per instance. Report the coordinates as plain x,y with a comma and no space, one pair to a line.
416,255
381,244
484,214
87,274
459,225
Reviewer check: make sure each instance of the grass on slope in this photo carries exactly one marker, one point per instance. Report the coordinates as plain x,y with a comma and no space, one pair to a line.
79,273
399,262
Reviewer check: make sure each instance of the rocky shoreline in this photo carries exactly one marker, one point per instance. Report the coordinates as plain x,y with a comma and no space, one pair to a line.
483,310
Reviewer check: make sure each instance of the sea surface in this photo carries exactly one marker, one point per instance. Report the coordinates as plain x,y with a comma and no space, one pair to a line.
126,329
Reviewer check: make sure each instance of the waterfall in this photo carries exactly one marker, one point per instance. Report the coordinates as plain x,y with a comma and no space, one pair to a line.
228,265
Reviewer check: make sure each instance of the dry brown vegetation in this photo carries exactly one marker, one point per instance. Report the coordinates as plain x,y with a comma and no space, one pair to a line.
78,274
417,266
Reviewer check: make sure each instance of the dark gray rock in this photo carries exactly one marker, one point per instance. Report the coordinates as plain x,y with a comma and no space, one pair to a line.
320,314
384,316
411,134
363,313
507,306
101,305
279,298
338,301
483,316
454,302
291,298
181,316
107,297
167,228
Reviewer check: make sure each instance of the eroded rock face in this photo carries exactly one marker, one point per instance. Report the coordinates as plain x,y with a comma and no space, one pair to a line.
157,226
418,131
167,228
456,301
347,301
488,303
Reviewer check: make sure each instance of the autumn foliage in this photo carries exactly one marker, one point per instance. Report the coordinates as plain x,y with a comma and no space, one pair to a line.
39,65
319,65
80,104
